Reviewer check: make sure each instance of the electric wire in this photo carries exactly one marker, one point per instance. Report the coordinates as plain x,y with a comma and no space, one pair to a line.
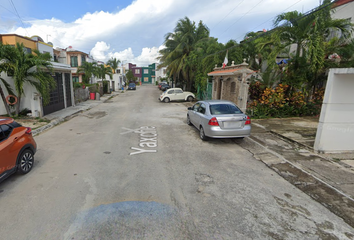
18,15
270,31
228,13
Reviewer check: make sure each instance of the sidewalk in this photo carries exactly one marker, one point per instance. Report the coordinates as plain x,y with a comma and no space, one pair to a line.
286,146
64,114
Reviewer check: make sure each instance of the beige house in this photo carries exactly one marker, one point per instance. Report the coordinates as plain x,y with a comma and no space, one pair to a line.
231,83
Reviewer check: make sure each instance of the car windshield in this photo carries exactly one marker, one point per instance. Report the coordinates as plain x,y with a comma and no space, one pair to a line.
219,109
131,84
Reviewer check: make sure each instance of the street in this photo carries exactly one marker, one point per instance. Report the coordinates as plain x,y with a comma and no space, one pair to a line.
131,168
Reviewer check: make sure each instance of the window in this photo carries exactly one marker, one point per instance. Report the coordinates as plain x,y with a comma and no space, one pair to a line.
137,71
146,71
83,59
146,79
73,61
118,71
5,131
27,50
75,79
171,92
196,106
202,109
219,109
178,91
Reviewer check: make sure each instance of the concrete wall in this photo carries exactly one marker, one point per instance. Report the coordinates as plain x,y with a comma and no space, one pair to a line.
335,132
29,100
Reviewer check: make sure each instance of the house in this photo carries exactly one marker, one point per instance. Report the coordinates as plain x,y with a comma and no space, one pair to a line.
161,73
61,97
231,83
137,71
148,74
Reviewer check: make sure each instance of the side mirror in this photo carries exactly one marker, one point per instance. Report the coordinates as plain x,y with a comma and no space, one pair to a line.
190,108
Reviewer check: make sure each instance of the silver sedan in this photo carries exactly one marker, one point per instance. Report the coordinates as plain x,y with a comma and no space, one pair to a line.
219,119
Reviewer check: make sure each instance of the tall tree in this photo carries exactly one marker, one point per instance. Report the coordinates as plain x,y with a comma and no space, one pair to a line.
179,45
89,69
4,49
28,68
113,63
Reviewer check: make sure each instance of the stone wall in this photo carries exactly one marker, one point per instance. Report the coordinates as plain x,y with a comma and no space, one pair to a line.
81,95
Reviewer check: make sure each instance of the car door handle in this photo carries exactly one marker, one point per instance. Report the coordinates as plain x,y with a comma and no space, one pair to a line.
15,139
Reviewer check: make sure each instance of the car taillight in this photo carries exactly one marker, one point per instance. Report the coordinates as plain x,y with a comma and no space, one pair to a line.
213,122
28,130
248,120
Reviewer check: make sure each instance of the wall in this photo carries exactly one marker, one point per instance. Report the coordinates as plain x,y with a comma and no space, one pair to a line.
335,132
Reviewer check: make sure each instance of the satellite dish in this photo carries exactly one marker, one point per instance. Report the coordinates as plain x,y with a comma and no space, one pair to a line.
50,43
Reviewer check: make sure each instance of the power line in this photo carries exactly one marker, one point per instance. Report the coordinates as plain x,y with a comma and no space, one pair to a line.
272,17
268,32
18,15
243,15
228,14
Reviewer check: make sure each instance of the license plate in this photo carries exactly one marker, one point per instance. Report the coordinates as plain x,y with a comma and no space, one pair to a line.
237,124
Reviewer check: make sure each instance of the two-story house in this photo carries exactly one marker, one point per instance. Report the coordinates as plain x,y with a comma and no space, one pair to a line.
60,97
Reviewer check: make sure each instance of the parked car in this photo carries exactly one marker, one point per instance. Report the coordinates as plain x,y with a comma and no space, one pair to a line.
164,87
176,94
219,119
17,148
161,83
131,86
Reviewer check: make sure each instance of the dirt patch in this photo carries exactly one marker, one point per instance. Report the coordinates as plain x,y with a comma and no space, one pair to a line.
33,123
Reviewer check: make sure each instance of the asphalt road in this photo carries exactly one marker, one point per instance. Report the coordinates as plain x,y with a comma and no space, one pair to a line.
131,168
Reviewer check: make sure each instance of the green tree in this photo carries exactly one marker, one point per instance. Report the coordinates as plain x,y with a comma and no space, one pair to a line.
89,69
130,76
101,71
178,46
113,63
28,68
4,49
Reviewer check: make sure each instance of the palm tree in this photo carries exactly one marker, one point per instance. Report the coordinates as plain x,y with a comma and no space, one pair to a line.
28,68
179,45
88,68
113,63
4,49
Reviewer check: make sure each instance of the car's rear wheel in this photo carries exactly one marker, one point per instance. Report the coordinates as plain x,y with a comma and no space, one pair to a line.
26,160
188,120
202,134
166,100
190,98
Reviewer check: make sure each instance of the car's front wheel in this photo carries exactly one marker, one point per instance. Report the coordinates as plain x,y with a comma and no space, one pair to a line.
188,120
166,100
26,160
202,134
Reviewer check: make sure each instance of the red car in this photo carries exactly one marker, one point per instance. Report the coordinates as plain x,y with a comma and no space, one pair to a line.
17,148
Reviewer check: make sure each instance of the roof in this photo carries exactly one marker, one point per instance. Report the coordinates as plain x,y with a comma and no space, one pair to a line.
228,72
341,2
6,120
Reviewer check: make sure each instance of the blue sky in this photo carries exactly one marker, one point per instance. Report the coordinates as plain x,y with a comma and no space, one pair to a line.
134,31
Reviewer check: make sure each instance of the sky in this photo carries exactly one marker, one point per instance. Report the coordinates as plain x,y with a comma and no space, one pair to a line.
134,31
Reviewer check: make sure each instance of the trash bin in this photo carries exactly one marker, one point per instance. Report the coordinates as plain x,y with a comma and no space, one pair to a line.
92,96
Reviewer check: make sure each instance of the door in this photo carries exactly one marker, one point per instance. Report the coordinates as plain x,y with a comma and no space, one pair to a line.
8,155
179,95
56,101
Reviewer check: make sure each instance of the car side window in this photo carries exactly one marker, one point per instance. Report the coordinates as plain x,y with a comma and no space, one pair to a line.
196,107
178,91
171,92
5,131
202,109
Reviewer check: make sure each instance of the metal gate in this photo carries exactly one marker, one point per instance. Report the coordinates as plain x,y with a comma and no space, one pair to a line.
56,101
68,90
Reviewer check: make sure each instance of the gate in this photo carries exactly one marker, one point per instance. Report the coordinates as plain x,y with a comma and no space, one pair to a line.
56,101
68,90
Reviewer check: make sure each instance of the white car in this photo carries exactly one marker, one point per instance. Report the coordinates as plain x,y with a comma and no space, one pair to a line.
176,94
